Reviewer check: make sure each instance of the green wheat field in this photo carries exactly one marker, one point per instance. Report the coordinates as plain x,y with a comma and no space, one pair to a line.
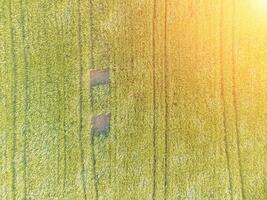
187,99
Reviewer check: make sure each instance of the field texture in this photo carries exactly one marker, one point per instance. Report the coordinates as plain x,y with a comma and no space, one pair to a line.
187,99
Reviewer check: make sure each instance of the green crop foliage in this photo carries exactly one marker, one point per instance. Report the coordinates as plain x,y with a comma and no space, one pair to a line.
187,99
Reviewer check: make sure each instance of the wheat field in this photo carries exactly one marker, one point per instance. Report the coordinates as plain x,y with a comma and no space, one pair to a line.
187,99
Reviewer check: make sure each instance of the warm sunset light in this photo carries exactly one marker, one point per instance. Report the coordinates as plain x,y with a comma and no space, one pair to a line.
259,6
263,3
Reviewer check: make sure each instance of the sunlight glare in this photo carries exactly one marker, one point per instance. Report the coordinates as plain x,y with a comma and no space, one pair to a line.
260,5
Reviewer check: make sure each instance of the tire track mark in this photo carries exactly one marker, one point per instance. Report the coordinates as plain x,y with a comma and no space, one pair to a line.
92,44
92,58
14,102
81,101
5,154
26,129
234,93
230,181
116,100
154,99
55,7
166,74
64,111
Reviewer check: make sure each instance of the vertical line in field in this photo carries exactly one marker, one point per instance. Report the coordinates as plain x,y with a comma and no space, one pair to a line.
58,132
65,135
265,172
60,32
166,73
94,165
223,101
91,35
58,93
5,66
154,99
5,133
6,162
93,157
115,115
115,125
234,92
81,101
64,111
26,129
14,102
65,144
